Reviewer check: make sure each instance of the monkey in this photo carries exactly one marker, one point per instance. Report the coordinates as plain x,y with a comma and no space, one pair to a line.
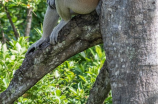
65,9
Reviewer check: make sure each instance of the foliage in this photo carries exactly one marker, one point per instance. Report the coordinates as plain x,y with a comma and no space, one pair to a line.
10,60
70,83
18,12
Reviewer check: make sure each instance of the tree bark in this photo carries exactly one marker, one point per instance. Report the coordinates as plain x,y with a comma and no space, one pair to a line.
130,33
79,34
101,87
28,21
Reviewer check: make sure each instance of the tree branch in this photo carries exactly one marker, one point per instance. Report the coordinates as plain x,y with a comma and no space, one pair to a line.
79,34
11,22
2,32
101,87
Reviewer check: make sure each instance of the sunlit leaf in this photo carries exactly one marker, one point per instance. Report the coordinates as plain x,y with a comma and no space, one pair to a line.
58,92
2,14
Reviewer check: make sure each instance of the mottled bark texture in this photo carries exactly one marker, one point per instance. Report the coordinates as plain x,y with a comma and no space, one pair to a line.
79,34
101,87
131,45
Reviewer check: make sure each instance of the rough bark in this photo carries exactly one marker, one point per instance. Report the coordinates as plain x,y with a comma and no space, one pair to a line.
131,28
101,87
28,22
79,34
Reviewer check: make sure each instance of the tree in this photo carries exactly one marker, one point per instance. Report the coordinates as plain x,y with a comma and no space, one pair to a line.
44,59
128,30
16,19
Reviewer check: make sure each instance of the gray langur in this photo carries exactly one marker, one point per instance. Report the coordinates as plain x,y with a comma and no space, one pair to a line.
64,9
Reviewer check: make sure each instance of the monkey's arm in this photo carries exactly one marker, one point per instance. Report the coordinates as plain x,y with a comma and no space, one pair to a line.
50,21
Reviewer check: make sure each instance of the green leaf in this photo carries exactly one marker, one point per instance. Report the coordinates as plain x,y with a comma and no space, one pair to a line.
58,92
73,90
14,19
92,52
13,51
5,81
12,5
4,49
96,57
12,57
83,54
18,22
80,86
57,74
83,78
99,51
18,47
2,14
63,97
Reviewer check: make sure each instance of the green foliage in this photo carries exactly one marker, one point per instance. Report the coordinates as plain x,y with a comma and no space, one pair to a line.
18,12
108,100
10,60
70,83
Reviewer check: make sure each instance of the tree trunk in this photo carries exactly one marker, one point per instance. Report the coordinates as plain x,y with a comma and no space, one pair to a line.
28,22
131,28
101,87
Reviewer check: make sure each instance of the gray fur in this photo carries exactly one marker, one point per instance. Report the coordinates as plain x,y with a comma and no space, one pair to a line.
62,8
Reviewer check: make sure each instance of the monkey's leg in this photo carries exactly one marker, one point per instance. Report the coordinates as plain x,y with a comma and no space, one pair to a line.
64,12
50,21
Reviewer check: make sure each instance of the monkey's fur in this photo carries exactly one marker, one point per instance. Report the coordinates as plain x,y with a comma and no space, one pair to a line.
64,9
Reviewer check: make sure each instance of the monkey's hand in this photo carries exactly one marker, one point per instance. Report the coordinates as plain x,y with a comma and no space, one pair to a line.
35,45
54,34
